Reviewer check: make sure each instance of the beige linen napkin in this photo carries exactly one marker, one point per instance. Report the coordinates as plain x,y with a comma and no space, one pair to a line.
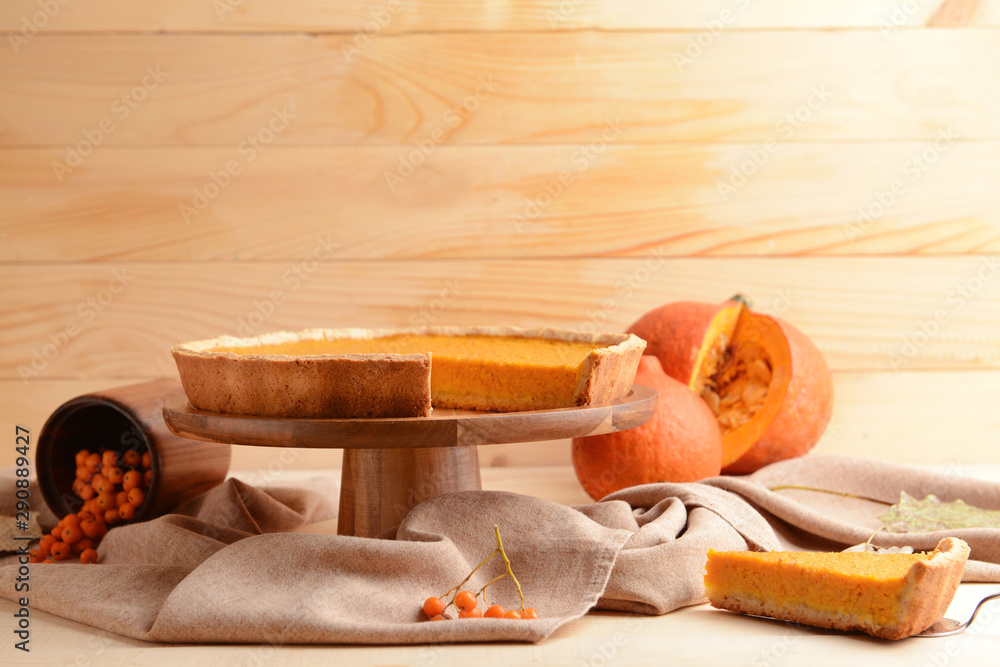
217,570
212,573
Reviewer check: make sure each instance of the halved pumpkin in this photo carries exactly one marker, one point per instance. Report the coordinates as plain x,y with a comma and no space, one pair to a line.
767,384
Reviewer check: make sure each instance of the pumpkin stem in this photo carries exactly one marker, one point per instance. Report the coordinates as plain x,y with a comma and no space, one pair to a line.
742,299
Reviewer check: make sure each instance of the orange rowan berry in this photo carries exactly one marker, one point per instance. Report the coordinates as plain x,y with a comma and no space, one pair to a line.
112,517
471,613
93,462
132,479
465,601
84,474
136,496
70,520
513,613
529,613
121,498
84,515
91,528
38,554
147,460
496,611
441,617
102,485
147,478
72,534
109,458
82,545
46,542
86,491
88,556
81,457
132,458
60,551
127,512
106,501
433,606
116,475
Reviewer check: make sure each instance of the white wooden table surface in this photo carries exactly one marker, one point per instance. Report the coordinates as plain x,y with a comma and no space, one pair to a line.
696,635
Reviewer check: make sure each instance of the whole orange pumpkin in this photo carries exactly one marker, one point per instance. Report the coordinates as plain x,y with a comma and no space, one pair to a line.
680,443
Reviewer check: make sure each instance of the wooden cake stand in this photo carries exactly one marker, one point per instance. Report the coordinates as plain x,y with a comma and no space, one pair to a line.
391,465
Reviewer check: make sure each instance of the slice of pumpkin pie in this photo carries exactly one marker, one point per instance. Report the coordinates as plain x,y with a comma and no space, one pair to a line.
889,595
353,373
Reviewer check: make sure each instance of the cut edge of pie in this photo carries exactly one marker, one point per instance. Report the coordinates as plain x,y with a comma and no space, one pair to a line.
379,384
914,602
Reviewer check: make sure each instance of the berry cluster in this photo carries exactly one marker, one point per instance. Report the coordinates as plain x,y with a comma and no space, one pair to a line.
466,602
113,487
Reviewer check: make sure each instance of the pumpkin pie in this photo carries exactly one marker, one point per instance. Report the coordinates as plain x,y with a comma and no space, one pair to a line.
352,373
889,595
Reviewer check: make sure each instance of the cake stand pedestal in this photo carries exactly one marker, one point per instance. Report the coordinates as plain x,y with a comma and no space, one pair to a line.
391,465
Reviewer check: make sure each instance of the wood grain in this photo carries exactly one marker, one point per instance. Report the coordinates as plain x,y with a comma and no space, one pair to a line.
380,486
863,313
644,223
505,201
191,90
370,17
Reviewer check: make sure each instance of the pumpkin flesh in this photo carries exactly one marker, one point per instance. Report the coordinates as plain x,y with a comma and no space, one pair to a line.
742,376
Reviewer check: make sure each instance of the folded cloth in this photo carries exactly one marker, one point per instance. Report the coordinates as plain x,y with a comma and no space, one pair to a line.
219,569
211,572
820,517
8,497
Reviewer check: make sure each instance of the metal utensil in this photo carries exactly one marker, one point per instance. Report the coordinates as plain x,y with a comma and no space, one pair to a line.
947,627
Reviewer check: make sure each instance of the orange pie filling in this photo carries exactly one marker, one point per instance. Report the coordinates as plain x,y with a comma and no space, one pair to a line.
888,595
864,584
543,372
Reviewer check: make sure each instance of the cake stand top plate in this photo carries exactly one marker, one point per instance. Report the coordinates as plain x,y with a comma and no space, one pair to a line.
444,428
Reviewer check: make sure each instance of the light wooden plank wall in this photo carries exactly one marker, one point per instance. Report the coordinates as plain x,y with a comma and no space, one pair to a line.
244,166
398,16
499,88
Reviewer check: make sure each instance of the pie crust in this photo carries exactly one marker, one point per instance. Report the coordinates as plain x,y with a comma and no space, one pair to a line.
375,384
919,599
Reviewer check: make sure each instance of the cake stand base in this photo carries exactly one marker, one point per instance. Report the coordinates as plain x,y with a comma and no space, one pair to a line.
380,486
